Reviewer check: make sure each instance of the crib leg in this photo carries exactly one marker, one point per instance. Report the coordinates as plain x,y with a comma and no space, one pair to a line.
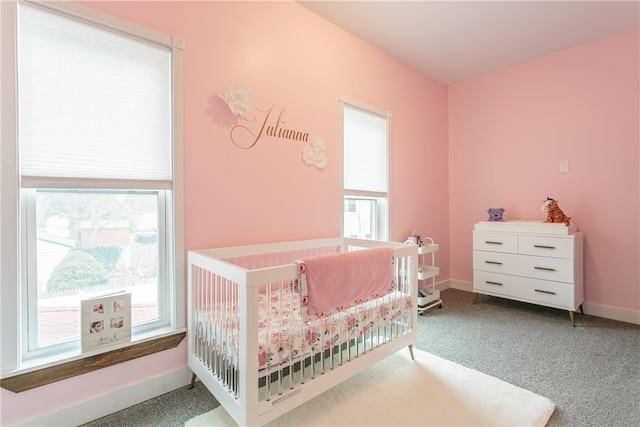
193,380
411,351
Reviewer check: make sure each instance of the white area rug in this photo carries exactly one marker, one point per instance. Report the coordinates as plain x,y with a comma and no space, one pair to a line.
429,391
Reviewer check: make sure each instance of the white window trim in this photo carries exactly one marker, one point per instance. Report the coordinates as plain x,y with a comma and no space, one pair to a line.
10,246
385,231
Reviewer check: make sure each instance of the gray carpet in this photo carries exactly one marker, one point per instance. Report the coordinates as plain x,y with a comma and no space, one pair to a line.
591,372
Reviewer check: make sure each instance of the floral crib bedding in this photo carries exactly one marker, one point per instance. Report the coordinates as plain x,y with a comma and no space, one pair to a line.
283,336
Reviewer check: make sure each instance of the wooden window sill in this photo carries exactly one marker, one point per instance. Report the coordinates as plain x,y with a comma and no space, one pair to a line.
51,374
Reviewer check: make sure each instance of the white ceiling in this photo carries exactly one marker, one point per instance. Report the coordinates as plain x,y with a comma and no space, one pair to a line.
453,41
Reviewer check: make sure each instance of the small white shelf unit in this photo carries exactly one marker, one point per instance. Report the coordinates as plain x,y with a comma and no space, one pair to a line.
428,295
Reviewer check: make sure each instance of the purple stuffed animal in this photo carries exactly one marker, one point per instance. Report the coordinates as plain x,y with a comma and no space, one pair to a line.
495,214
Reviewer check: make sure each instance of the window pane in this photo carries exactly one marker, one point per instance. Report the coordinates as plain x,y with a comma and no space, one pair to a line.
90,244
360,218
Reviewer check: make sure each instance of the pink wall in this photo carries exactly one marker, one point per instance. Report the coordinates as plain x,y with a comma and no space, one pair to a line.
290,59
509,130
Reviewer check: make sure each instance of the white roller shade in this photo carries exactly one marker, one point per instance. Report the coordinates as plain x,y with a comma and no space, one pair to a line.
365,151
94,104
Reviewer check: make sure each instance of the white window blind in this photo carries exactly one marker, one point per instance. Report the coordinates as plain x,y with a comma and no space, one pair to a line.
365,151
93,104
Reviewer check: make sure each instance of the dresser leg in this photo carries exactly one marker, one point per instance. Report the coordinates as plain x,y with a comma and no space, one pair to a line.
581,309
475,298
411,351
573,322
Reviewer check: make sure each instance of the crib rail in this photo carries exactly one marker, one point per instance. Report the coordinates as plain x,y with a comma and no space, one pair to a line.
226,288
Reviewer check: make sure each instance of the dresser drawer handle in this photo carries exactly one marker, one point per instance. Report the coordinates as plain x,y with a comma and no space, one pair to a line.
492,283
493,262
545,268
491,242
545,292
544,246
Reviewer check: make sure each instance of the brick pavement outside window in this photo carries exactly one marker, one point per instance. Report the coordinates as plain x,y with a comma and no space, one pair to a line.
62,322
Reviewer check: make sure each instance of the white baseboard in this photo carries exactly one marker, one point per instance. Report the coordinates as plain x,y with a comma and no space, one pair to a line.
607,312
101,406
614,313
459,284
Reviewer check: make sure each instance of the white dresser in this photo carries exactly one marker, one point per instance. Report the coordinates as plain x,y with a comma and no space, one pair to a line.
529,261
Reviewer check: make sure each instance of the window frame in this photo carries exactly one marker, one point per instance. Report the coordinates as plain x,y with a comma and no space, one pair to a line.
383,199
14,243
29,288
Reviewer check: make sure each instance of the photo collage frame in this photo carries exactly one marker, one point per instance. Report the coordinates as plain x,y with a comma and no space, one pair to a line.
106,320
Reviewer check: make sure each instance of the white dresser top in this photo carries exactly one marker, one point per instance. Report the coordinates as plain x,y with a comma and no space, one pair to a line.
526,226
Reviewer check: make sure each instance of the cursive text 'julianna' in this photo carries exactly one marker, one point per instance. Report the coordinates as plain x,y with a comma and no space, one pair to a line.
243,136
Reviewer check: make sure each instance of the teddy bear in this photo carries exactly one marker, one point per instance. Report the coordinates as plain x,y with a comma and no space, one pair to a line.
554,213
495,214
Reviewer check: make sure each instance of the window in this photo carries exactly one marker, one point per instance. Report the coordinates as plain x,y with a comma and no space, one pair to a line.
365,142
94,195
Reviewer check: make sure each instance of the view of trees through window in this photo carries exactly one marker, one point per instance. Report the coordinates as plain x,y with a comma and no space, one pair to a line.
91,244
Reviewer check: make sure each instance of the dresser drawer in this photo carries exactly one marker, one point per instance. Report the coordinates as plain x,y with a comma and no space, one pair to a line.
546,268
495,242
496,262
546,246
552,294
493,283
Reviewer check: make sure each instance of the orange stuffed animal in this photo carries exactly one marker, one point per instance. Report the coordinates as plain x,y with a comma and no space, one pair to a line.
554,213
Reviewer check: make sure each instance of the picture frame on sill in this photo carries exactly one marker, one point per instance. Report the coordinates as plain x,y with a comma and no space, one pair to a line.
105,320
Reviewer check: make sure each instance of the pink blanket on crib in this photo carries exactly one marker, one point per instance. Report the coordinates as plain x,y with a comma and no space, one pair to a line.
332,283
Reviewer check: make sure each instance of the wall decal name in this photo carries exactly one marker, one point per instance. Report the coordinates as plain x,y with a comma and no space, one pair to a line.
246,136
250,131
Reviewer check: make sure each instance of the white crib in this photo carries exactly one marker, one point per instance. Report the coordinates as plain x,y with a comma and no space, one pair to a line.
249,344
